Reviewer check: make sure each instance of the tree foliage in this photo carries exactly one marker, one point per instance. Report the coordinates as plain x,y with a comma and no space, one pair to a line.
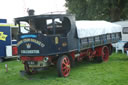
111,10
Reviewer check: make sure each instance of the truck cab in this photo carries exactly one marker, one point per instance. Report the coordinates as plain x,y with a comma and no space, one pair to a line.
46,35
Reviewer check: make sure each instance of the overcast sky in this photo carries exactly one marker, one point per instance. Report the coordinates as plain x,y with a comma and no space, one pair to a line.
11,9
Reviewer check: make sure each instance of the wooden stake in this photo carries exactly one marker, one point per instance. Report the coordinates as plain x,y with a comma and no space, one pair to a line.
6,67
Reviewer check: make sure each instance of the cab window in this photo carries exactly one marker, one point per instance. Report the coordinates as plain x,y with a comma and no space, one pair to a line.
125,30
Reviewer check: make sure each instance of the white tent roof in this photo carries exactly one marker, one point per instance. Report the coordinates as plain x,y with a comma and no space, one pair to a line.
95,28
122,23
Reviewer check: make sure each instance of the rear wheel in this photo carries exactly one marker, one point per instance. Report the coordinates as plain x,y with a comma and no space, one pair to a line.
63,66
104,55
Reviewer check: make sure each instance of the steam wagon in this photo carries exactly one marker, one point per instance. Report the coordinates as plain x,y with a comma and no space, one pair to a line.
60,40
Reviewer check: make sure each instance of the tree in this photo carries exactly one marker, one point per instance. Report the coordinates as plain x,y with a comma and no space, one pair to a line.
77,7
111,10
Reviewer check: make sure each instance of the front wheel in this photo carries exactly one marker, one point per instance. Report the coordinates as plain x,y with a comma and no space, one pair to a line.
63,66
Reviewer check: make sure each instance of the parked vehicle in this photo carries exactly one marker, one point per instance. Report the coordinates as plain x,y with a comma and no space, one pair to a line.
59,40
124,33
8,35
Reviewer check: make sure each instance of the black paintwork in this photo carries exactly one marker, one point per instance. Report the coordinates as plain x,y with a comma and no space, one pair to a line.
50,48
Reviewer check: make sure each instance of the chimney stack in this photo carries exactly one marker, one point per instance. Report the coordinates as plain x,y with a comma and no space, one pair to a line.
31,12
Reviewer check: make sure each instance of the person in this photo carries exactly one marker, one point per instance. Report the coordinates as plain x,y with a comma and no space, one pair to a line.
31,21
126,48
32,26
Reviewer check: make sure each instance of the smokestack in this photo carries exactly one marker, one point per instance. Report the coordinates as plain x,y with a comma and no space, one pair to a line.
31,12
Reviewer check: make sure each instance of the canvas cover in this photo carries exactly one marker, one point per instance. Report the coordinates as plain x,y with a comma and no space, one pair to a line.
86,28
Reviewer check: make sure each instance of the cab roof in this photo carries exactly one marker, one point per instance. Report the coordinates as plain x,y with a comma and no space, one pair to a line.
44,16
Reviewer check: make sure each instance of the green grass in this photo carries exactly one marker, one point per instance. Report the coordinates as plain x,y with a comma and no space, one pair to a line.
113,72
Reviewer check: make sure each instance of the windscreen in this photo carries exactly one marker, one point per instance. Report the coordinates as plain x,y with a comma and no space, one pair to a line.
48,26
24,27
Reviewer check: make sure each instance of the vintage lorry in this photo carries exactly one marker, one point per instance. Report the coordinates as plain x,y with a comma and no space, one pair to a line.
59,40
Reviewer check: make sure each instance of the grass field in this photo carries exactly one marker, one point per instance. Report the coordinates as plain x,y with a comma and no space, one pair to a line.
113,72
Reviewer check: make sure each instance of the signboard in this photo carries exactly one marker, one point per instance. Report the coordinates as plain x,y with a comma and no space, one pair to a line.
3,21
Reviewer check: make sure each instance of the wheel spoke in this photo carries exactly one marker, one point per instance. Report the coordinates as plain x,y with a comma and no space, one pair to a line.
64,67
66,71
68,62
65,61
